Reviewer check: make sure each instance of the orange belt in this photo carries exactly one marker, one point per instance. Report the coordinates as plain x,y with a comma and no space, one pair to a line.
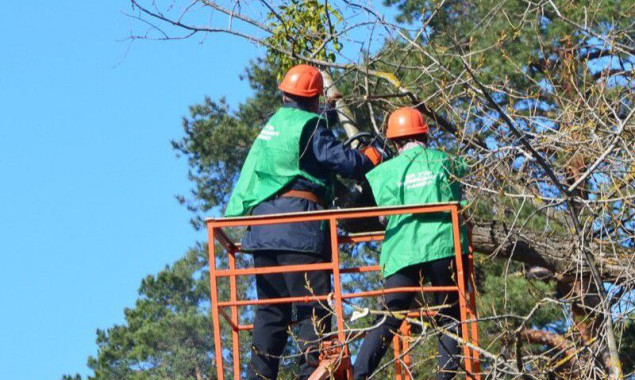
309,196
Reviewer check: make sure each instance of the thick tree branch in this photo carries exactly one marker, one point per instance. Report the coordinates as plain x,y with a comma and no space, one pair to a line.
555,253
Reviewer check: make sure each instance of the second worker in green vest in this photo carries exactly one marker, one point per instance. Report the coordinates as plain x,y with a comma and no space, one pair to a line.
416,248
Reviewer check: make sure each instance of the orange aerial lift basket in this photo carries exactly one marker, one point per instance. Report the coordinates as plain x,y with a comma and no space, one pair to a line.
334,356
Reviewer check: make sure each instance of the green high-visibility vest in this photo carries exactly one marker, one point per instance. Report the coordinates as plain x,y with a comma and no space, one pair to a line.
273,160
418,175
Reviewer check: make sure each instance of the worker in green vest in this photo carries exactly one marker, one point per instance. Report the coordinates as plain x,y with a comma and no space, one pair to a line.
289,169
416,248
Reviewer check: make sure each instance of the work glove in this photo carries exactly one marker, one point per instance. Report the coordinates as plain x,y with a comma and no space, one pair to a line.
373,155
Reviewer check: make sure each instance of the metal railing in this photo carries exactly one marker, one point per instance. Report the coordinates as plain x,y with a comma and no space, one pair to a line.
467,303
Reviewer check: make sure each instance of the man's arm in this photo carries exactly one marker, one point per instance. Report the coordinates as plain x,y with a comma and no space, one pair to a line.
334,156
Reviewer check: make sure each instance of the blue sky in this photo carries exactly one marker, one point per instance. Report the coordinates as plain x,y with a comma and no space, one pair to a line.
87,202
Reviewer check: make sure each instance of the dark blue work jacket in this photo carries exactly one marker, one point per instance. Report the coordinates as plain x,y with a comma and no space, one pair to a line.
322,155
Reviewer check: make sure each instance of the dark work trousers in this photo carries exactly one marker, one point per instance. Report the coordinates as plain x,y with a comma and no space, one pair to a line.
439,273
271,324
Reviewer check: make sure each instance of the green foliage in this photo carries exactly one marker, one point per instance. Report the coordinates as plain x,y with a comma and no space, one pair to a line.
167,334
504,289
68,377
305,28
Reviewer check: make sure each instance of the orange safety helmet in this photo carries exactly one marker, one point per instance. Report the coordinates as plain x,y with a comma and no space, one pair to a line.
406,122
302,80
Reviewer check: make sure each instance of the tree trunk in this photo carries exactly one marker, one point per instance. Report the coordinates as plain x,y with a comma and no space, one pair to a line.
552,252
344,113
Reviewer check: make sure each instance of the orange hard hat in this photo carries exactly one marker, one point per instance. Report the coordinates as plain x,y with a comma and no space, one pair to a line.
302,80
406,122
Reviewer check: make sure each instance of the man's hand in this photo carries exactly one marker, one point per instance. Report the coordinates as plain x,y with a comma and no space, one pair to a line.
331,100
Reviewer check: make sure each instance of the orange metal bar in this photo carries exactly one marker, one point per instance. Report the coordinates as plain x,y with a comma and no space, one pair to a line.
401,345
396,345
314,216
474,315
337,288
462,296
292,268
218,348
274,301
234,314
269,270
405,346
370,293
361,237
